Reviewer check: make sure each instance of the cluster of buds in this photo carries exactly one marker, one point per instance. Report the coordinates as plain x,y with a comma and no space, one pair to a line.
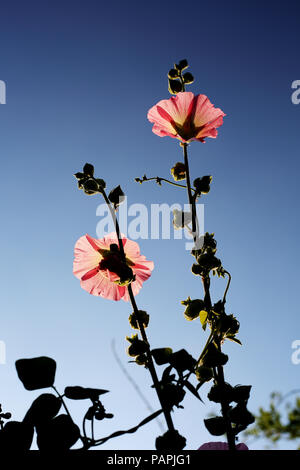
87,182
205,256
137,349
177,79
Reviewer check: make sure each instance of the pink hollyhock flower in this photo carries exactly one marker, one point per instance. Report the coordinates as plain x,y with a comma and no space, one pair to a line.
186,117
101,270
221,446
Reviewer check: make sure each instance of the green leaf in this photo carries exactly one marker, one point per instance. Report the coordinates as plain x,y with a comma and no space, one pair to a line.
203,318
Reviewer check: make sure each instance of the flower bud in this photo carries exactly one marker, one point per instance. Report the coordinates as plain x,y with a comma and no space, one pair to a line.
143,318
240,415
172,394
197,269
141,359
204,374
221,393
137,346
171,440
182,64
88,170
202,185
173,73
213,357
174,87
116,196
178,171
193,308
208,261
188,78
227,324
90,187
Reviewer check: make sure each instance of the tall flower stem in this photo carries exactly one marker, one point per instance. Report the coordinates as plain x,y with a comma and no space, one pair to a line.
219,372
150,363
191,199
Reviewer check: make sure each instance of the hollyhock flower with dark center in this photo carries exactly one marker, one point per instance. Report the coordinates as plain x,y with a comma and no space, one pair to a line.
102,270
186,117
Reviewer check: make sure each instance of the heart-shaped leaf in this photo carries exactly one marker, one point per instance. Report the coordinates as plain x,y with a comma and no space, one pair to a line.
44,408
59,434
35,373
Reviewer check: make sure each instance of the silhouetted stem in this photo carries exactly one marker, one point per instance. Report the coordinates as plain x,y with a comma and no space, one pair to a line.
219,373
150,362
227,287
158,179
66,408
190,197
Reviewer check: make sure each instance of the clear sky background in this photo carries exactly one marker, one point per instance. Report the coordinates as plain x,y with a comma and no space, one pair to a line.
80,79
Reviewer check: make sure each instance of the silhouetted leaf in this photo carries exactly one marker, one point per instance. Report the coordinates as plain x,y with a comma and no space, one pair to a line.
44,408
166,376
241,393
192,389
181,360
81,393
35,373
216,426
59,434
161,355
234,339
16,437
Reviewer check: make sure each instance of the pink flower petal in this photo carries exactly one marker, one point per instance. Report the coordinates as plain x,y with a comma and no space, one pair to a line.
86,258
186,117
102,282
90,274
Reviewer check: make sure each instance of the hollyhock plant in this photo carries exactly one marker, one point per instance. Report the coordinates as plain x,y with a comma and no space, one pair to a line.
101,269
186,117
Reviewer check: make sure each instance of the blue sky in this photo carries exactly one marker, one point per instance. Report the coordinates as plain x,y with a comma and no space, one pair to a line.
80,78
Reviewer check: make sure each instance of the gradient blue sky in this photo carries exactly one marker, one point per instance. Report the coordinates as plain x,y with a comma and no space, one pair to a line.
80,79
